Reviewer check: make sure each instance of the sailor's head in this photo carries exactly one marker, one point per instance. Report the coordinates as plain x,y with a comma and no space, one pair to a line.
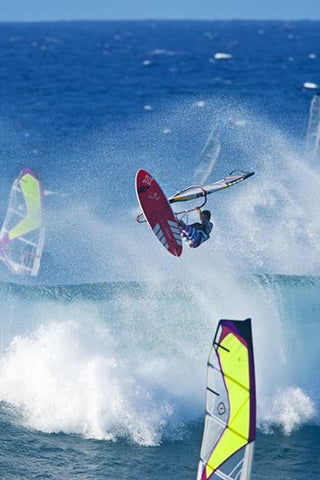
206,215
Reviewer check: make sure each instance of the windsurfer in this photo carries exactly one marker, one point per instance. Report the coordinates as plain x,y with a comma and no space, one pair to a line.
198,232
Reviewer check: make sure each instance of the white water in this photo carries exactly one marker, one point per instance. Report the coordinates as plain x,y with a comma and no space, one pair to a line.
135,366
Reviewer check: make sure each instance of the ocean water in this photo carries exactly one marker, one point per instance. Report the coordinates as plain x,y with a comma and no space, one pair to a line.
103,355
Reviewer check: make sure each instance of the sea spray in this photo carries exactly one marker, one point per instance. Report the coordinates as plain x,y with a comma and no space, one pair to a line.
116,360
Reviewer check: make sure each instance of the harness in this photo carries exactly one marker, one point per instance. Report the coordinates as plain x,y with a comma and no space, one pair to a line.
196,236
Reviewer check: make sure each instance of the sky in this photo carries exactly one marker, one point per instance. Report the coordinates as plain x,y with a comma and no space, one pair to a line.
42,10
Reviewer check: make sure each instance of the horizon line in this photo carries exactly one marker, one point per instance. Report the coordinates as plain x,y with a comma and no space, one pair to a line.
152,19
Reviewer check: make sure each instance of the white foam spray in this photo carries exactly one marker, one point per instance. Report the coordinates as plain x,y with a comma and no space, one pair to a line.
124,367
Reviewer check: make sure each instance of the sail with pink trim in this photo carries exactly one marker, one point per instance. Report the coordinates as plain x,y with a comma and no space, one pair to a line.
230,421
22,233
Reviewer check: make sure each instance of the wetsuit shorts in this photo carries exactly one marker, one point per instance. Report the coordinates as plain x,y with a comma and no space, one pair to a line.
192,236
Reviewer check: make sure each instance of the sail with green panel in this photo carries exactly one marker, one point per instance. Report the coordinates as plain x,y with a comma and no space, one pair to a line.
230,420
22,233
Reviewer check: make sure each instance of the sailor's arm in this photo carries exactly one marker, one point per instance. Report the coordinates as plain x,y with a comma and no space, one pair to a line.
198,210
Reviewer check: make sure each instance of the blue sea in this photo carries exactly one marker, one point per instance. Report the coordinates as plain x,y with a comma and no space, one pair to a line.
103,354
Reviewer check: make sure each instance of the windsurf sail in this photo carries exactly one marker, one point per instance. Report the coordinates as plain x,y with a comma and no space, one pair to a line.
22,233
230,421
196,191
207,158
313,132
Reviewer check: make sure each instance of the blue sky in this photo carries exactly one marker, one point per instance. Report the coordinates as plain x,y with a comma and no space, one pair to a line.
29,10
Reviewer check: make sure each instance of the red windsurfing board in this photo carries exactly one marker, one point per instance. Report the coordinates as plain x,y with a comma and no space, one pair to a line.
158,212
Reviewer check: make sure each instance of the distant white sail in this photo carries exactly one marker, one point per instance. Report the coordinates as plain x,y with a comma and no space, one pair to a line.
230,421
22,232
313,132
207,159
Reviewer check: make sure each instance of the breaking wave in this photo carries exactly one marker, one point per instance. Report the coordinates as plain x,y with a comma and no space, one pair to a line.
127,359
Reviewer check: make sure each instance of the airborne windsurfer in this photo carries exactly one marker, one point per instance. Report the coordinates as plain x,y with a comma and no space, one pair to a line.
198,232
157,211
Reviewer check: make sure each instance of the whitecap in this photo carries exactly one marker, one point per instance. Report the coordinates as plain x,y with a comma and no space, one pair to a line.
310,85
162,51
200,104
289,408
222,56
240,123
